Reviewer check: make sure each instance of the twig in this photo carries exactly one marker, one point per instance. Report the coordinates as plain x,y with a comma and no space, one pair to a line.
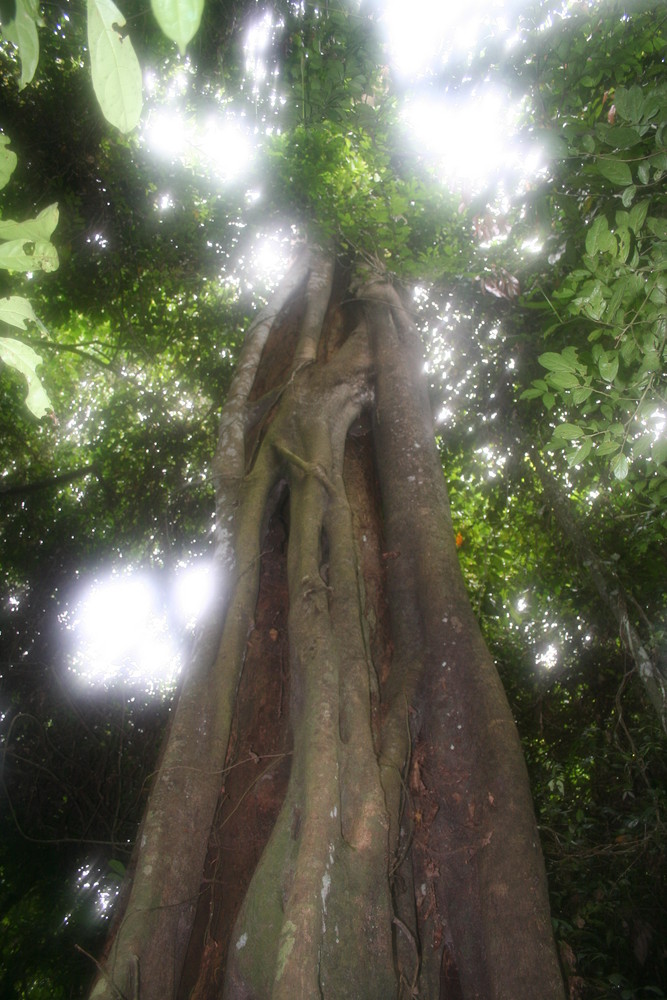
103,972
310,468
411,938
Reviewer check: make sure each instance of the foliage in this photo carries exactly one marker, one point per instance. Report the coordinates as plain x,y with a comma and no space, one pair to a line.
141,327
115,69
24,360
601,804
616,301
25,247
179,19
604,304
21,30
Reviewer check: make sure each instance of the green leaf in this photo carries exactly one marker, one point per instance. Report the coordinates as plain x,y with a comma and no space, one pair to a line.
8,161
581,393
33,9
628,195
554,145
114,64
629,103
659,164
593,303
38,229
608,367
638,216
568,431
581,453
22,32
607,447
563,380
25,360
28,255
549,400
652,363
531,393
619,466
658,227
16,311
620,137
616,171
556,362
569,354
643,172
590,81
659,451
179,19
642,445
598,237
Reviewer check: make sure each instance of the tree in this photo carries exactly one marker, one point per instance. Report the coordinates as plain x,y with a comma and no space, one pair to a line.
395,801
344,593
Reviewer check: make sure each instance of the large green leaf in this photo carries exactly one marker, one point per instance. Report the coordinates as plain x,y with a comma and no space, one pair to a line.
556,362
563,380
619,466
26,255
114,65
22,32
8,161
620,137
598,237
16,311
39,228
578,455
658,227
580,394
616,171
568,431
179,19
25,360
608,367
629,103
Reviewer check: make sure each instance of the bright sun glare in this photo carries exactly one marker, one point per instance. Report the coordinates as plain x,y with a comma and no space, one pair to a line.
453,30
271,256
127,630
221,145
469,142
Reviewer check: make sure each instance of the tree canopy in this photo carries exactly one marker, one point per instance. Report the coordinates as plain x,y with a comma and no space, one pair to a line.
139,235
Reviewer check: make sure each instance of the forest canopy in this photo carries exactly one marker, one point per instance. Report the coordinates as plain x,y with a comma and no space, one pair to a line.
158,173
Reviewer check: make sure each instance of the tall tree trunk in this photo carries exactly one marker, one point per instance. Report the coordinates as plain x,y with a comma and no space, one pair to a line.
342,809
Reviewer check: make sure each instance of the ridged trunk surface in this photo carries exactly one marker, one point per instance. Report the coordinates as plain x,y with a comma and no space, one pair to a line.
342,810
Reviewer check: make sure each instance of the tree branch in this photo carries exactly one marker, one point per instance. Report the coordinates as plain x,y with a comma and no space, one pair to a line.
24,489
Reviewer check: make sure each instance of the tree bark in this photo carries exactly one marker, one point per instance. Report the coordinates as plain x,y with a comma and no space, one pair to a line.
388,848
